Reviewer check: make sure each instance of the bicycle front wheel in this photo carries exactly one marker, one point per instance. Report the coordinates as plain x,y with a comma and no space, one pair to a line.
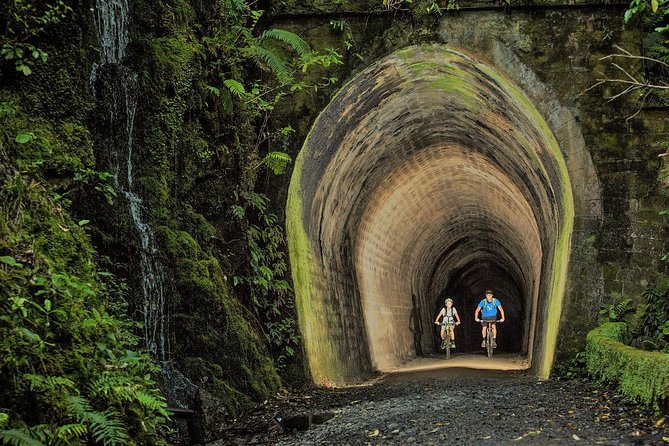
489,340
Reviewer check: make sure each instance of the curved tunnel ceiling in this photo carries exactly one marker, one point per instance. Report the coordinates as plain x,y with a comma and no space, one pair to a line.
425,167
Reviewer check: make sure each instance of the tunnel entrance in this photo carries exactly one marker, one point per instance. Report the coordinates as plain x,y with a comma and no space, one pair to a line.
429,174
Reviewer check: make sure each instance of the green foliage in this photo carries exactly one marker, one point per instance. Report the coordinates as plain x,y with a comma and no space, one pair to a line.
343,27
655,7
100,181
653,14
265,279
653,331
69,370
250,72
29,19
277,162
641,376
576,367
15,437
615,311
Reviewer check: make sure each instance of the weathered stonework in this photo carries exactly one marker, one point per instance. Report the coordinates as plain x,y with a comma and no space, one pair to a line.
552,54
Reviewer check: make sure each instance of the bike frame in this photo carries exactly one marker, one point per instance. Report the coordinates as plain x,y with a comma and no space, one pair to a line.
449,327
489,338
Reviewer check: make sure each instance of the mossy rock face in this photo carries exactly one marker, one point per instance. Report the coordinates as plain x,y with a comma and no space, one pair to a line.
640,375
215,340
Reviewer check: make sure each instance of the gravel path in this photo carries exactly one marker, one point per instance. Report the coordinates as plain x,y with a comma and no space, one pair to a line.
466,406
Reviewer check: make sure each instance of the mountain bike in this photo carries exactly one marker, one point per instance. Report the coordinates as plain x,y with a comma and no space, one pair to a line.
447,339
489,337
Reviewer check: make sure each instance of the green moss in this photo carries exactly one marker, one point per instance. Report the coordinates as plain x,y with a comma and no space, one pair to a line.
456,86
212,327
640,375
59,148
423,68
323,359
212,376
172,56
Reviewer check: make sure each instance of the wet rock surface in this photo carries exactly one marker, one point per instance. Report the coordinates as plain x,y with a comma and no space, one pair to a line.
459,407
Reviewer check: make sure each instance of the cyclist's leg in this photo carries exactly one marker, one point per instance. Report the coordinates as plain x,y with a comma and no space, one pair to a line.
443,332
452,332
484,332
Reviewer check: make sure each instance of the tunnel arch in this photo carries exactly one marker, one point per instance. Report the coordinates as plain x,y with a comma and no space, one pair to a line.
427,170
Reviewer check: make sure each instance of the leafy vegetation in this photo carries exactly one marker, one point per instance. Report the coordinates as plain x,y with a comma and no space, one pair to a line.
641,376
286,65
616,310
70,367
653,330
646,76
28,20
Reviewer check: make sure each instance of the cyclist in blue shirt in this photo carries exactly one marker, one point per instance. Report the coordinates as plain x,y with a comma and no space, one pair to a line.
488,309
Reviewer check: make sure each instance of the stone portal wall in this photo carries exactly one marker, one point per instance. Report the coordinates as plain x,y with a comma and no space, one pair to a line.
551,51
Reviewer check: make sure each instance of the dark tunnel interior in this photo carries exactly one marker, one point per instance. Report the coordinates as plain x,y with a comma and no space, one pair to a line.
467,287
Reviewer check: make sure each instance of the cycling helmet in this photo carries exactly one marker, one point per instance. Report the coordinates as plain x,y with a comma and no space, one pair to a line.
488,291
448,300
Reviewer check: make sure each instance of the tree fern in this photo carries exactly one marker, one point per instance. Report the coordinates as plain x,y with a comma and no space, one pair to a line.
300,46
17,437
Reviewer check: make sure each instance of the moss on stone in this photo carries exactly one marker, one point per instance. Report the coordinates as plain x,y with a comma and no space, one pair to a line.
322,359
57,148
212,327
640,375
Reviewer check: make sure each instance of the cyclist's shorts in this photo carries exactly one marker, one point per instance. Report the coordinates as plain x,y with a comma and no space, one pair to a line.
488,319
452,324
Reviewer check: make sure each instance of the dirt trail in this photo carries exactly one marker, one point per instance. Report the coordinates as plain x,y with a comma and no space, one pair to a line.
424,403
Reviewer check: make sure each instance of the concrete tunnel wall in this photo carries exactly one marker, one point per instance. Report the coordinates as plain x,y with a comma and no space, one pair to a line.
429,172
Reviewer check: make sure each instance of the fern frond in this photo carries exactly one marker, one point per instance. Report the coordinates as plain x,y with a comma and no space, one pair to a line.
151,402
48,382
300,46
274,63
277,161
108,385
656,47
67,432
235,87
104,426
17,437
106,429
